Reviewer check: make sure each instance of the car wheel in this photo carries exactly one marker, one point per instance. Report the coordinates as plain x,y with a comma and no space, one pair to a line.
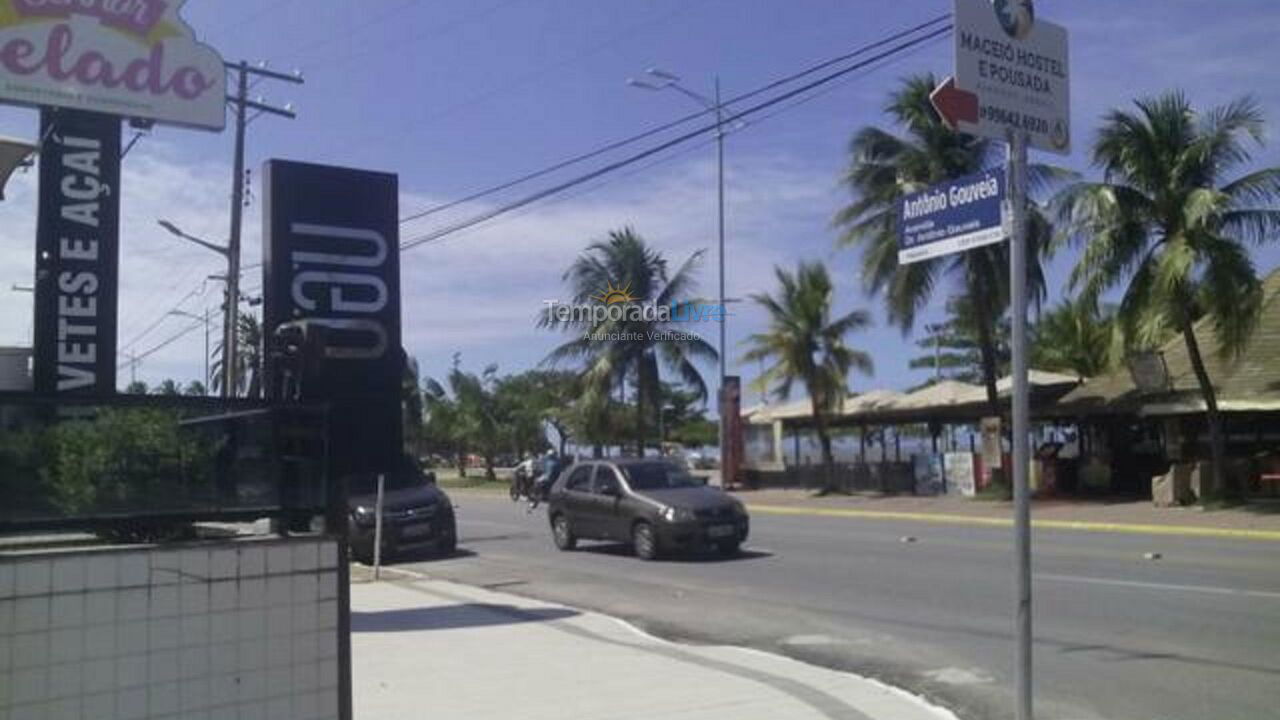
563,533
363,557
728,548
447,545
644,541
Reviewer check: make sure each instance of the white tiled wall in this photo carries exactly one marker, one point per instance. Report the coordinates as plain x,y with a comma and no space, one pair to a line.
228,631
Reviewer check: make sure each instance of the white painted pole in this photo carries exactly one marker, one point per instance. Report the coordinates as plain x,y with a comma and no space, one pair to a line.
377,529
1021,419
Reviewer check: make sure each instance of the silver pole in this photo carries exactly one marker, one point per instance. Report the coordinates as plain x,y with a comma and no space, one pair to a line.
1021,411
377,528
208,321
724,440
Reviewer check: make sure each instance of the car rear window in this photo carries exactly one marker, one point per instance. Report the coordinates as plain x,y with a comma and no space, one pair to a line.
657,476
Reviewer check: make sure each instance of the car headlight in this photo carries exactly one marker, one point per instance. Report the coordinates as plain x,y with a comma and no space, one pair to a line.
739,509
675,514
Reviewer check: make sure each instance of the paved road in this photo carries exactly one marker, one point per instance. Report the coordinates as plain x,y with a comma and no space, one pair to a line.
1194,635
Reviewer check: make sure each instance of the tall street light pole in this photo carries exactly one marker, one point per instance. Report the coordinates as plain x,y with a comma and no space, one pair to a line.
662,80
229,310
206,319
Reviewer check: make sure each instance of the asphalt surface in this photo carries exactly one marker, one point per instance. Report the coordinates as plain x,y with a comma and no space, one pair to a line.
1194,634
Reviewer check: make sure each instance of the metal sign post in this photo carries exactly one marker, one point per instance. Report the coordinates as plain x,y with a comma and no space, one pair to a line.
1021,418
1013,83
377,528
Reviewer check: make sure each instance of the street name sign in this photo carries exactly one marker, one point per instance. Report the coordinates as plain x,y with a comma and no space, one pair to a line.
952,217
1016,67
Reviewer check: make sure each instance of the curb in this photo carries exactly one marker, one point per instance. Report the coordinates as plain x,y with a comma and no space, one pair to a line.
1081,526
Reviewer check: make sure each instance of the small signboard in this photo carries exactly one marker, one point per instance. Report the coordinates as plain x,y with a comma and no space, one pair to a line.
958,469
1017,67
134,58
952,217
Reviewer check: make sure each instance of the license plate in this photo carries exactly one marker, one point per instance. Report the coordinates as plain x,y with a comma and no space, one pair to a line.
719,531
419,530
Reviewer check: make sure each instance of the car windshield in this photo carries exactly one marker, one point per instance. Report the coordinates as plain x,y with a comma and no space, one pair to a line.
658,476
400,479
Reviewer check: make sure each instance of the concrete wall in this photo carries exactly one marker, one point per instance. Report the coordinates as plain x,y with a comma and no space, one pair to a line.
232,630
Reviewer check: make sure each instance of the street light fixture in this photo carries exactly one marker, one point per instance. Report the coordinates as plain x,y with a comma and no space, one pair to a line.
229,319
663,81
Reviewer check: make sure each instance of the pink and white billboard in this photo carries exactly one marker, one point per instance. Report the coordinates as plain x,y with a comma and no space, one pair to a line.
134,58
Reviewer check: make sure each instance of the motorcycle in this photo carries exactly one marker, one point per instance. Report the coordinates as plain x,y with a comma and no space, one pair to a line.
522,484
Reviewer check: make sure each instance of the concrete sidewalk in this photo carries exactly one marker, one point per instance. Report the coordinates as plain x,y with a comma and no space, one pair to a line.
433,649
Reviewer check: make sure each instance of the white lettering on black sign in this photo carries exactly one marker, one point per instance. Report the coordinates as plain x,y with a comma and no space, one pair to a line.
77,253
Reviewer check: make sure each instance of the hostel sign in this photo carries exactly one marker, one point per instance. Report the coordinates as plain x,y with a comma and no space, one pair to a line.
132,58
1012,74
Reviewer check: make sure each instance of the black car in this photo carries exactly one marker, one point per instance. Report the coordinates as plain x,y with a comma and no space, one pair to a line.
416,513
655,505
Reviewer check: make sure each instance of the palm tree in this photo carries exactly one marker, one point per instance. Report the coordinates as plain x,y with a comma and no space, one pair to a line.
411,404
1167,224
1077,336
952,346
169,387
468,413
884,167
805,344
248,360
625,263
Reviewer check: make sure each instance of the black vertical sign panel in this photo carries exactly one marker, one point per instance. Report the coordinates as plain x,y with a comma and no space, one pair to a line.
331,257
77,253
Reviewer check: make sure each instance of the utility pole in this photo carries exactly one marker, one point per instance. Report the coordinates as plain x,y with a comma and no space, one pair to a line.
241,102
133,367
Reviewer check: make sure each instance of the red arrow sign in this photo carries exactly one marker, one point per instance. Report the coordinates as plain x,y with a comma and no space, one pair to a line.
953,104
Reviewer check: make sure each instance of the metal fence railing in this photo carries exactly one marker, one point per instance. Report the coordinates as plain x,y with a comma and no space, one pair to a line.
105,463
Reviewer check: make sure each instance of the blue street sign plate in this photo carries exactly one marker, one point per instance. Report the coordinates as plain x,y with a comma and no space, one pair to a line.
951,217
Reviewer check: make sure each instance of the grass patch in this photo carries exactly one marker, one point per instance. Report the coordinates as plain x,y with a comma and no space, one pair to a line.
451,480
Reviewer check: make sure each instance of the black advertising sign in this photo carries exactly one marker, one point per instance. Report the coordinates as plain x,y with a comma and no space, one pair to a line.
331,258
77,253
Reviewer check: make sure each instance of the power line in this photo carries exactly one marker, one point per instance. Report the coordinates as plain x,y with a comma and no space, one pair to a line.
134,358
159,319
706,143
609,147
632,159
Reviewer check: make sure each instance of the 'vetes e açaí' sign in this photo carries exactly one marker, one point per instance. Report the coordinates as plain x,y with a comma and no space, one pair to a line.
134,58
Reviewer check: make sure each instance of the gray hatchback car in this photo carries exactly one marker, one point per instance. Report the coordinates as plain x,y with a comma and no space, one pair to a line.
653,504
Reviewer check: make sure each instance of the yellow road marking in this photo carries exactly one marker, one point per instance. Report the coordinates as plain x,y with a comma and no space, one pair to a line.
1130,528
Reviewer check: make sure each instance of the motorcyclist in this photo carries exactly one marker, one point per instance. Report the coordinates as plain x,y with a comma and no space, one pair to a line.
550,469
522,477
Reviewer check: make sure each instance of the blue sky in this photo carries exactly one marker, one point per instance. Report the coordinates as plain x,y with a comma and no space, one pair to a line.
455,95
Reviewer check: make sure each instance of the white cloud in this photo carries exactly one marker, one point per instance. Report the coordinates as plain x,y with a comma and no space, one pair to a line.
477,292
